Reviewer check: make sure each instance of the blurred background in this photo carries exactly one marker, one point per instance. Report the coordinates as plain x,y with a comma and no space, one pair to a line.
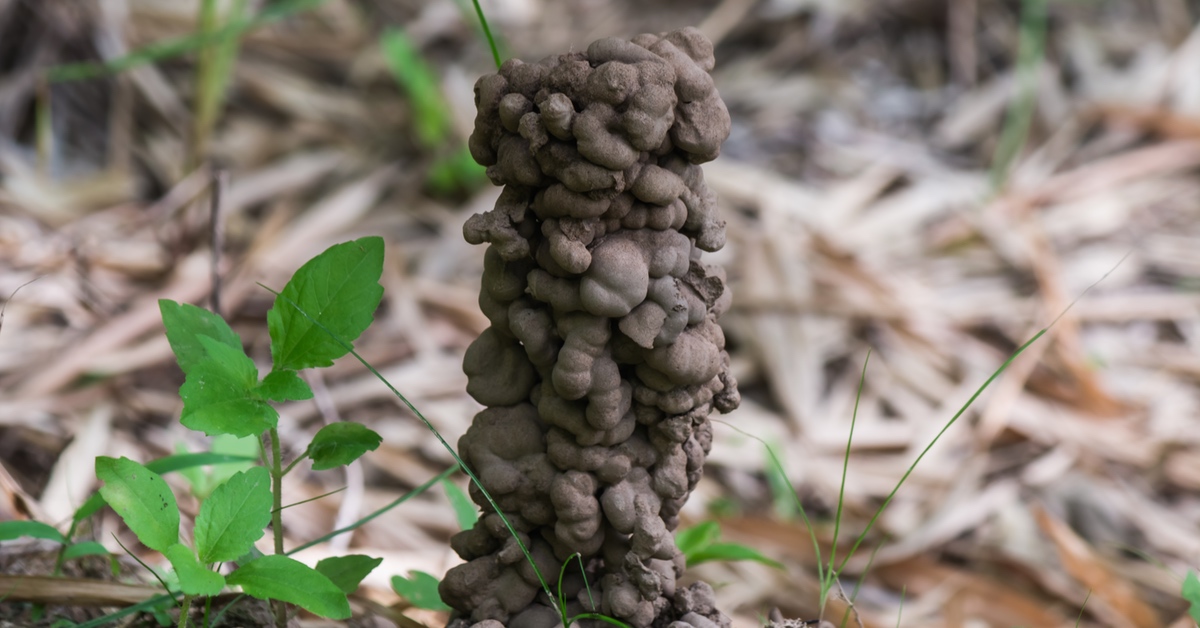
930,181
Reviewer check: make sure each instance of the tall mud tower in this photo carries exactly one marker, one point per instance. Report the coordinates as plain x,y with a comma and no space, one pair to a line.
604,358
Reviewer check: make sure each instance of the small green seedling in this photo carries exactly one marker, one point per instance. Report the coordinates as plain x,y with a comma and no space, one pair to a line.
699,544
224,397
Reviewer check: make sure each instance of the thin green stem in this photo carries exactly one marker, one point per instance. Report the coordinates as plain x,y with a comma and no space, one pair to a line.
1083,607
837,519
396,502
277,489
562,600
778,466
859,583
913,466
294,463
185,612
487,32
277,514
313,499
586,586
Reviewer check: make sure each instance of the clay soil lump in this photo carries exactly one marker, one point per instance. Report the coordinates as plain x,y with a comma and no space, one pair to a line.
604,358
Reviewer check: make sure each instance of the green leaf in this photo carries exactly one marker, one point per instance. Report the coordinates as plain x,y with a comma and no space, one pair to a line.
186,325
1191,593
233,518
194,578
167,464
464,509
729,552
284,386
278,577
698,544
142,499
341,443
85,548
10,530
420,589
697,537
217,400
346,572
179,462
339,289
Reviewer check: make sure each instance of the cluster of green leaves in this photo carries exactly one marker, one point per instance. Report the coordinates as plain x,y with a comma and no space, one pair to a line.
335,293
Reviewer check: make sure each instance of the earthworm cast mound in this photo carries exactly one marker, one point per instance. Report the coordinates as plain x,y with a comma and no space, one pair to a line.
604,357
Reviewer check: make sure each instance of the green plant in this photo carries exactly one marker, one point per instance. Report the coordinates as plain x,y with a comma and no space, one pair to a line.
829,571
72,548
224,396
454,168
569,620
699,544
337,339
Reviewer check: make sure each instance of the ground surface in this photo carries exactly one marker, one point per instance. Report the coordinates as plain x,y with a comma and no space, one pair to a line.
922,181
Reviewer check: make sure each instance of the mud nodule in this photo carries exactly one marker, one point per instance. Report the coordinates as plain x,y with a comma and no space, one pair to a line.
604,358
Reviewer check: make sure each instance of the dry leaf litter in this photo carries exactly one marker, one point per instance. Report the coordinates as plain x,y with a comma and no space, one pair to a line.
864,212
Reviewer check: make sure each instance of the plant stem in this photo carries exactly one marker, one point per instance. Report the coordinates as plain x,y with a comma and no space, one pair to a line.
185,612
487,32
277,515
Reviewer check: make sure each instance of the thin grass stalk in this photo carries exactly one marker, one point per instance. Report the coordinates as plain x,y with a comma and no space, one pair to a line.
792,489
951,422
487,32
837,518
